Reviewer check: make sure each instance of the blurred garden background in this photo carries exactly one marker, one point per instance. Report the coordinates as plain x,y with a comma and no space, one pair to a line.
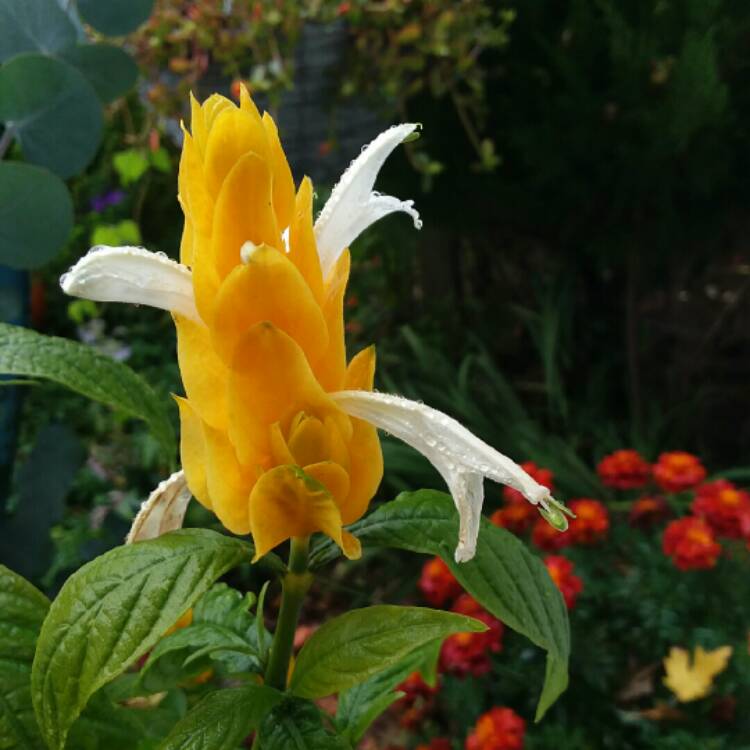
581,286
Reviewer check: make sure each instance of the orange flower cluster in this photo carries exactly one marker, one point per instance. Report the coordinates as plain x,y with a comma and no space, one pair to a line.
498,729
678,471
691,544
470,653
438,585
724,507
561,572
624,470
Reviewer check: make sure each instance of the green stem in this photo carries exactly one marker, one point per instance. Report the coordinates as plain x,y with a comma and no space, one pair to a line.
294,587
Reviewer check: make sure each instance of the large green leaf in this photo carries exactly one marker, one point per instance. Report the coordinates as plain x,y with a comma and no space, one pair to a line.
296,724
36,215
507,579
115,17
22,611
33,26
110,70
357,645
83,369
53,110
360,705
223,719
115,609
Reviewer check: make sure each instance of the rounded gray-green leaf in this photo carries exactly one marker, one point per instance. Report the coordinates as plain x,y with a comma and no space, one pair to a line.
36,215
54,112
115,609
33,26
115,17
110,70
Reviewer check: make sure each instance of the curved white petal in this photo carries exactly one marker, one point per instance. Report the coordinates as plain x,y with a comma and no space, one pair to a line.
462,459
353,205
132,274
164,511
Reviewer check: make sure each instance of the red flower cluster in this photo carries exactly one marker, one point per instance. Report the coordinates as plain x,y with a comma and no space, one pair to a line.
498,729
691,544
648,511
542,476
724,507
561,572
624,470
469,653
678,471
417,701
437,584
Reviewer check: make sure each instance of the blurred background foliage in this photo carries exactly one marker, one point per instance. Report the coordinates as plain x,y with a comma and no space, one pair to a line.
581,282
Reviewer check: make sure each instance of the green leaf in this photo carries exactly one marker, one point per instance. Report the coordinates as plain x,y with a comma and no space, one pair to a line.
297,725
223,719
504,577
53,110
36,215
86,371
360,705
359,644
130,165
125,232
115,609
111,71
33,26
115,17
22,611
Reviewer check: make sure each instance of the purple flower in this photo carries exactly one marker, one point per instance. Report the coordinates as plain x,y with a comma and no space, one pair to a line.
104,200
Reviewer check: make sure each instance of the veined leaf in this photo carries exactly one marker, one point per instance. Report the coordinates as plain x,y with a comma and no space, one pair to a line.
358,644
83,369
222,719
504,577
296,724
113,610
33,26
115,17
360,705
22,611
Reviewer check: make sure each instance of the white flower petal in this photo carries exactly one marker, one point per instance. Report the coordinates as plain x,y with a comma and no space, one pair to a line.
164,511
462,459
353,206
132,274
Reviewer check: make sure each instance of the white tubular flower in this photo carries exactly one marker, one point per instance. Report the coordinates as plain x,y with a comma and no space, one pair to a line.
462,459
353,205
164,511
135,275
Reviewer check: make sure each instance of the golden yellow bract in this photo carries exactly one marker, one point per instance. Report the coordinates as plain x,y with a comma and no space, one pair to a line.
263,444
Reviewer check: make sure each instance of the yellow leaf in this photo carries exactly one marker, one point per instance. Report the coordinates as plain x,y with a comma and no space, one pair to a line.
691,681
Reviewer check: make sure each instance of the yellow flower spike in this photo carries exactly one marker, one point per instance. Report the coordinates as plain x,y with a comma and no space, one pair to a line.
688,681
332,367
286,502
280,365
267,287
271,381
283,182
204,375
193,452
229,484
302,250
244,213
232,135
